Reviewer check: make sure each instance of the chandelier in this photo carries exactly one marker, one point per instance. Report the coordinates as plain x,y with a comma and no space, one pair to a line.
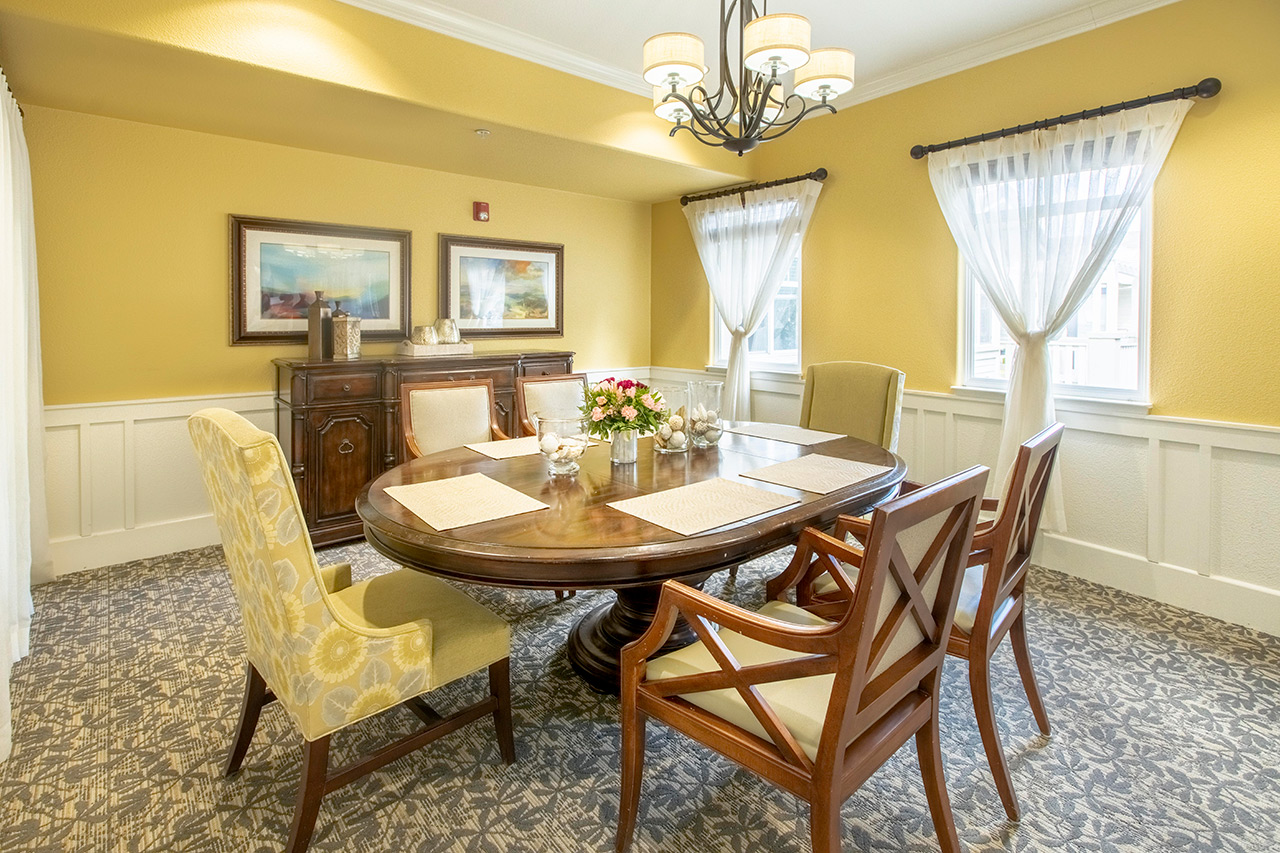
750,105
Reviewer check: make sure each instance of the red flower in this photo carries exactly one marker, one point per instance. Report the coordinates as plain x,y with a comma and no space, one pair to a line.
627,383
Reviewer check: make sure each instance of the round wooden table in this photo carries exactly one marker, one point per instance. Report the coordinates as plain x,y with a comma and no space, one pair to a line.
580,543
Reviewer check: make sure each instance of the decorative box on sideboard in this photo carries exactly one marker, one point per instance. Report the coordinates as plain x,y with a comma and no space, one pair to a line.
339,421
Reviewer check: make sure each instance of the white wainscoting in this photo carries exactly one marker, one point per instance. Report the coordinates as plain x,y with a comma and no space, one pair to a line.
1178,510
123,482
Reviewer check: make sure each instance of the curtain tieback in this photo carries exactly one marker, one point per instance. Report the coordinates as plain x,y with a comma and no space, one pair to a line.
739,332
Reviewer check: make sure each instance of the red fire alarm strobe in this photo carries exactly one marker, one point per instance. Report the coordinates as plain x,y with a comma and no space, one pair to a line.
480,211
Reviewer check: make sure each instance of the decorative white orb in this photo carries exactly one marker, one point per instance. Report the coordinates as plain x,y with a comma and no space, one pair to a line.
676,423
712,434
549,443
677,440
664,432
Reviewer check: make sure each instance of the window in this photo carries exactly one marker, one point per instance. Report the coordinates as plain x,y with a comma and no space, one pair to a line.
776,341
1102,352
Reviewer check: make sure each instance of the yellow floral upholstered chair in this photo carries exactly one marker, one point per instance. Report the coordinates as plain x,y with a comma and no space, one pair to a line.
330,651
854,398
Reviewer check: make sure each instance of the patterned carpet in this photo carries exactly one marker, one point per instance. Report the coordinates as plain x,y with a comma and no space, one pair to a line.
1166,738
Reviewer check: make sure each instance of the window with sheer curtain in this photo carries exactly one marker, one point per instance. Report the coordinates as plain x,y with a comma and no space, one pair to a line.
775,345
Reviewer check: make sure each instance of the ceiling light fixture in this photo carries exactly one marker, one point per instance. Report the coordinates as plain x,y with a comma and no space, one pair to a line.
751,106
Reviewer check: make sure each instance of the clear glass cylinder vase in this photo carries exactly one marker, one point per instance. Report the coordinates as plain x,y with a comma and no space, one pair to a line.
622,446
705,401
562,442
672,435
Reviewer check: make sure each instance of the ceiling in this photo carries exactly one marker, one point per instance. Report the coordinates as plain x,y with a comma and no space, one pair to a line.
898,44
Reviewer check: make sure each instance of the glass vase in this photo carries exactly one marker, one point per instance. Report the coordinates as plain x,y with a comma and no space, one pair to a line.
622,446
672,435
562,442
705,400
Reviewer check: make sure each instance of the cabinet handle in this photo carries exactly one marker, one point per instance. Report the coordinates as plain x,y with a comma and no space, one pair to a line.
346,387
346,446
501,408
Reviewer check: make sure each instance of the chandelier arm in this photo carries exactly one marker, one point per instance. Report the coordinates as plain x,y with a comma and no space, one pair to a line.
795,121
694,113
696,135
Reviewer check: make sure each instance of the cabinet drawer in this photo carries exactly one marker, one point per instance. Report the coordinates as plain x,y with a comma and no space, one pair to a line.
503,377
546,367
357,385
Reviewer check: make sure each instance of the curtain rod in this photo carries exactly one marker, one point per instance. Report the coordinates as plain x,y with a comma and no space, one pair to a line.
815,175
1206,88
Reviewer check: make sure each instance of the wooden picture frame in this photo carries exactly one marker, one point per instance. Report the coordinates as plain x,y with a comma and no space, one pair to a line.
533,307
366,269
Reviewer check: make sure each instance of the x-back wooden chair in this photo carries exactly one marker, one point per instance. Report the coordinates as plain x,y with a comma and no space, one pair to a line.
816,706
992,602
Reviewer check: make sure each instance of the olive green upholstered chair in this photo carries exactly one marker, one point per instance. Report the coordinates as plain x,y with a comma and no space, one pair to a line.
854,398
331,652
816,702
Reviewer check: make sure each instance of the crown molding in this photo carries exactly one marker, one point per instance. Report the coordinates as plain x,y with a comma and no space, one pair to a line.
1025,38
478,31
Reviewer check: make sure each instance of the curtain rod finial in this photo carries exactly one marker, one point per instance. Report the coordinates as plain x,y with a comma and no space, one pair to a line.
917,152
1208,87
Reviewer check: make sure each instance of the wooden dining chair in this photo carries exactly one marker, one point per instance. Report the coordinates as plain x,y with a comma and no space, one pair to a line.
854,398
816,706
560,395
329,651
992,603
441,415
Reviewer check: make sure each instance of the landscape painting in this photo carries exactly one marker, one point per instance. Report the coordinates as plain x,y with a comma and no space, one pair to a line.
279,265
501,287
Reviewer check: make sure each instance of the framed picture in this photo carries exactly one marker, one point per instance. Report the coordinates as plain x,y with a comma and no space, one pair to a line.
277,265
502,288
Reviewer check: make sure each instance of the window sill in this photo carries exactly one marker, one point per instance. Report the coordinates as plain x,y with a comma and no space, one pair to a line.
1089,405
781,372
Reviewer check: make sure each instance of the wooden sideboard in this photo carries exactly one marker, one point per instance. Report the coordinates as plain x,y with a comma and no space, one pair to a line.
339,421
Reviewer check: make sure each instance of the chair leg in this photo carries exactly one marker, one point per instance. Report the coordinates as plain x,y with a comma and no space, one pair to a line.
562,594
633,736
825,828
315,766
255,694
1022,654
929,752
733,573
985,712
500,689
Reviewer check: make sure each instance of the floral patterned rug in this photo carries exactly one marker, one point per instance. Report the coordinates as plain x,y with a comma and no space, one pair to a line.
1166,738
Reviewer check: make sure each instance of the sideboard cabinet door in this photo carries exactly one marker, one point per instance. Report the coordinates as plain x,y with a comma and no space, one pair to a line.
345,456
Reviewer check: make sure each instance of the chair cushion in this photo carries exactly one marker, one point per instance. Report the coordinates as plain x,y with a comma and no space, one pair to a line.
801,703
971,596
553,399
444,418
465,635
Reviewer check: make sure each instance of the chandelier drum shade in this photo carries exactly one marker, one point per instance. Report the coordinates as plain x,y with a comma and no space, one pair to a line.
749,104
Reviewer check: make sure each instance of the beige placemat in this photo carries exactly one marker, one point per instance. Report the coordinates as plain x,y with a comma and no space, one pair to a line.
508,449
459,501
702,506
817,473
783,432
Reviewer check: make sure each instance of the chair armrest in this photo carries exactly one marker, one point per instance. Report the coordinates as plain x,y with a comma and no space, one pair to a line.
804,569
498,434
336,577
678,599
906,487
990,505
527,428
857,525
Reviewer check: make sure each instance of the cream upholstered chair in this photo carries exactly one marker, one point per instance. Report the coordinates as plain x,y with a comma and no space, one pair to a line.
440,415
561,395
329,651
812,705
992,603
854,398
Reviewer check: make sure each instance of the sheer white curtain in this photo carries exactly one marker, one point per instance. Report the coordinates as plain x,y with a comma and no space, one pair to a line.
1037,218
746,243
24,539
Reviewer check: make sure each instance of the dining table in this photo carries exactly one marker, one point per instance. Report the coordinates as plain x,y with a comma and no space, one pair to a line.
579,542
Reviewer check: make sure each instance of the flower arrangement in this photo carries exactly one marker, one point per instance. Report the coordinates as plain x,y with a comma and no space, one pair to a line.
614,405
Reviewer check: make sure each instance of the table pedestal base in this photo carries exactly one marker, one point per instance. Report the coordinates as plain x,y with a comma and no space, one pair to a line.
595,643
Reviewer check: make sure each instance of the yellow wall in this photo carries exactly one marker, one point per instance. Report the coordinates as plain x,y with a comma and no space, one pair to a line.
880,264
131,233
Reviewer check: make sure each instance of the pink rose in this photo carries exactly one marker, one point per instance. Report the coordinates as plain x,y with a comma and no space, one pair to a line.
600,401
647,399
597,414
631,392
629,412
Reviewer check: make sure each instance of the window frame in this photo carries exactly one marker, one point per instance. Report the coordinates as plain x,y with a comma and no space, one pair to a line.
763,361
1141,395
